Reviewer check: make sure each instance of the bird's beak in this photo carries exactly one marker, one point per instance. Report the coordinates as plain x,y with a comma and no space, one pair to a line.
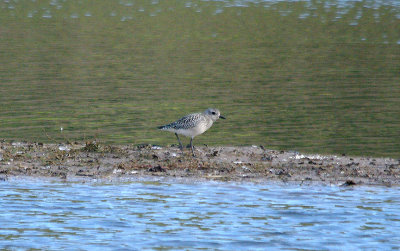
221,117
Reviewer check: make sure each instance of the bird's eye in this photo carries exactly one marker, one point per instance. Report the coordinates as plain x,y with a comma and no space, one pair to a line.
213,113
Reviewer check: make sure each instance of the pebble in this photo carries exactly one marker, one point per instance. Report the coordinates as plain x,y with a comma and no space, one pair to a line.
64,148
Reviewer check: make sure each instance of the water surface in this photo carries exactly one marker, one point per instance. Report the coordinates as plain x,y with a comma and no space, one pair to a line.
316,76
173,214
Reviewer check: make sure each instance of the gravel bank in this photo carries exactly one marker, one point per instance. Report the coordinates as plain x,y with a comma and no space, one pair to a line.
227,163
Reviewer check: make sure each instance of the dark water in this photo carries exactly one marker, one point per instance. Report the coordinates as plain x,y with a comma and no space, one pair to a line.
316,76
186,215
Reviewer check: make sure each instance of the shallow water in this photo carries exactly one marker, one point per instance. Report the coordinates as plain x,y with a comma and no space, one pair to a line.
192,215
315,76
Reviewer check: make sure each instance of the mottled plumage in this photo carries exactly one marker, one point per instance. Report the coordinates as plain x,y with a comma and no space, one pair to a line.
193,124
187,122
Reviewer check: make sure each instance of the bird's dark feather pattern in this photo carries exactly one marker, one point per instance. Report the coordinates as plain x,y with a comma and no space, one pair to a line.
186,122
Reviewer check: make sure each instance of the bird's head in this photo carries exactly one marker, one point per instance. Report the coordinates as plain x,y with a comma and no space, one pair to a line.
213,113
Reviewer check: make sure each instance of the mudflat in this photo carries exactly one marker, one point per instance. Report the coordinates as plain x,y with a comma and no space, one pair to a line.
224,163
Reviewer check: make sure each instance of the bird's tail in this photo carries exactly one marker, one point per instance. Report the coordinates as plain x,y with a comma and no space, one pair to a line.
161,127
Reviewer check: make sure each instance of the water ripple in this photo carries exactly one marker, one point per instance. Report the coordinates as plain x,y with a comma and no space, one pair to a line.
52,215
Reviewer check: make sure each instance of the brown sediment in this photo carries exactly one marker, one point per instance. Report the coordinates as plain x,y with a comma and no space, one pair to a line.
252,163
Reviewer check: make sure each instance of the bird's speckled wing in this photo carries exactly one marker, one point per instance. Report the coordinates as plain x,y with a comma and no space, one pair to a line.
187,122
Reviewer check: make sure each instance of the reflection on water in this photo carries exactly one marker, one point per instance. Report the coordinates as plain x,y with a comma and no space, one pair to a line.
127,9
318,76
158,214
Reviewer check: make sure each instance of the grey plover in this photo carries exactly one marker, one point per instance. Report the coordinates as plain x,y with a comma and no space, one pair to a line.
192,125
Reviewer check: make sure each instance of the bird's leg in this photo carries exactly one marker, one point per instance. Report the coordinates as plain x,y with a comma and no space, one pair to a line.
180,143
191,146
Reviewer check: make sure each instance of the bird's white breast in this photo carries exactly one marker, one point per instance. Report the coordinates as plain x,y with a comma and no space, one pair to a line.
200,128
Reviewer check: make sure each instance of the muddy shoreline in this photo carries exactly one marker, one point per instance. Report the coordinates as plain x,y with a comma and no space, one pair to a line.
251,163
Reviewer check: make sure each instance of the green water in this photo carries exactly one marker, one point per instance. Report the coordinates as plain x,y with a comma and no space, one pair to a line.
314,76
